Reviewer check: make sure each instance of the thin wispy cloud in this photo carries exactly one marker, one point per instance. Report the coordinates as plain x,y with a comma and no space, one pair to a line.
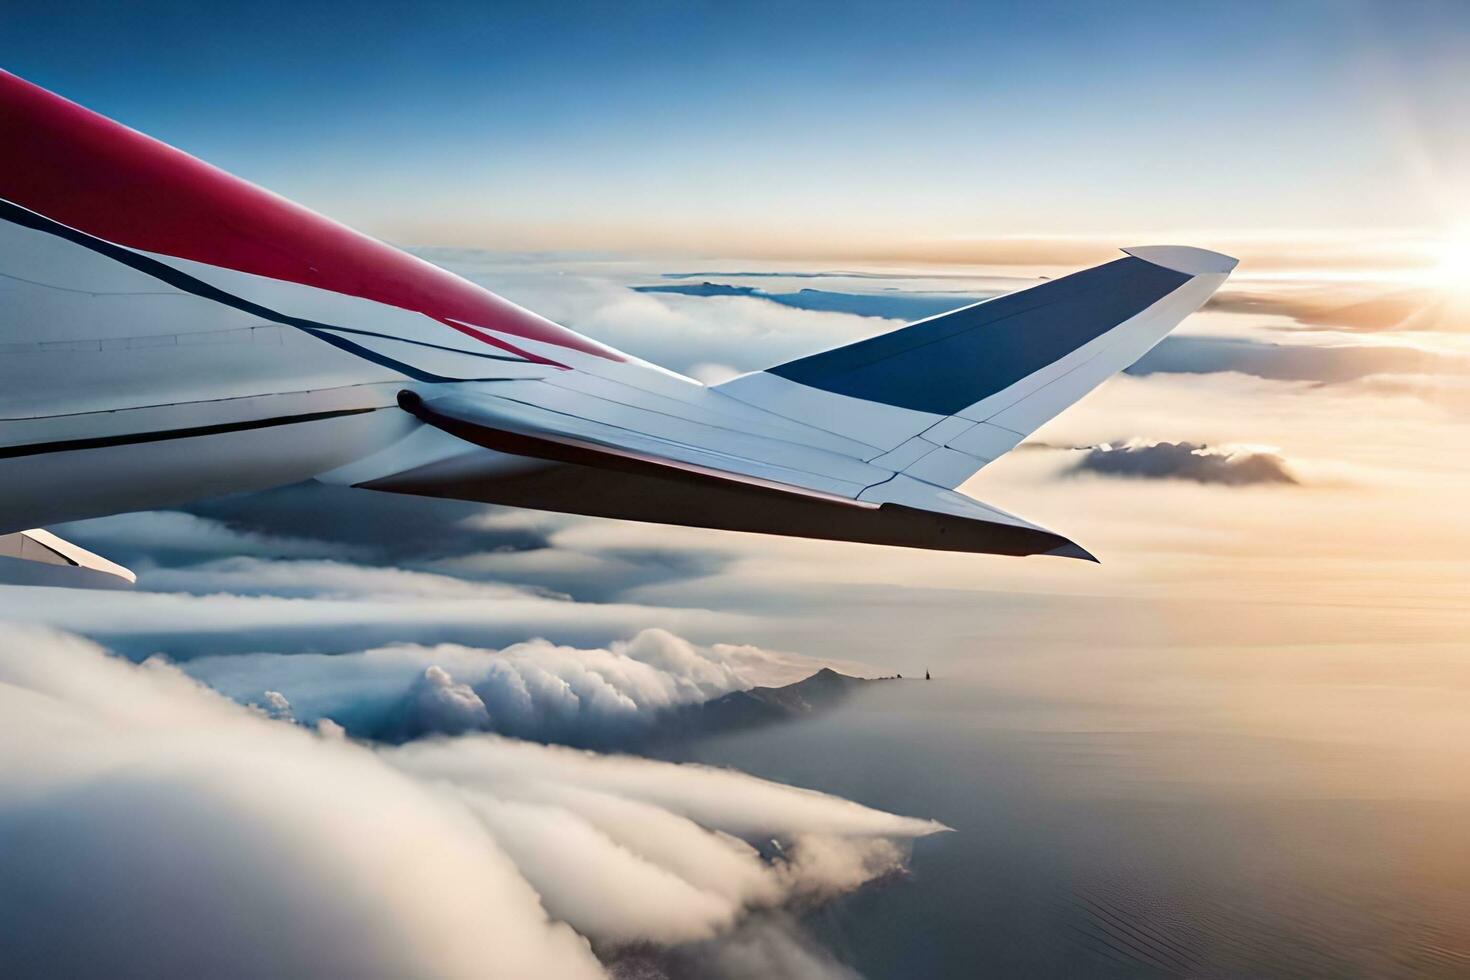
1368,307
1329,363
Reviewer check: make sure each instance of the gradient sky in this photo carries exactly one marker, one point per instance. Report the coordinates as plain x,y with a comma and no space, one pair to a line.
768,128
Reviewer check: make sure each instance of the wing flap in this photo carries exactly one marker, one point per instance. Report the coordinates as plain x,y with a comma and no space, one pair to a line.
582,466
524,430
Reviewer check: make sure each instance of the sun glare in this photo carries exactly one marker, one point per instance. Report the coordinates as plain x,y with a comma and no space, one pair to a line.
1452,272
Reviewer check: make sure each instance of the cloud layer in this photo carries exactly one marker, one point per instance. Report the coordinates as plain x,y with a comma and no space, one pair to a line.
129,794
393,618
1365,307
1336,363
595,697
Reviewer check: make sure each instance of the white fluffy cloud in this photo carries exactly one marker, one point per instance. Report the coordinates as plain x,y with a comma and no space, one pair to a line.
535,689
154,827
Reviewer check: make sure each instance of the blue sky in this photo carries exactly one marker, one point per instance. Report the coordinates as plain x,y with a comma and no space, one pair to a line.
766,127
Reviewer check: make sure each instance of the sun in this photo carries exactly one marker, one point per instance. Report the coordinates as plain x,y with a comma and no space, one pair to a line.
1452,271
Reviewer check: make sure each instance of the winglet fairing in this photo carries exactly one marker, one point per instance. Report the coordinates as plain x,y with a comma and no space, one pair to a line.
170,332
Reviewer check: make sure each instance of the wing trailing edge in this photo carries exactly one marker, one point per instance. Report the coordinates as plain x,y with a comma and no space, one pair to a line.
581,466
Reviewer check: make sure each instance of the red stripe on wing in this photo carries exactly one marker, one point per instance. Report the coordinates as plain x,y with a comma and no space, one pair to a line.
84,170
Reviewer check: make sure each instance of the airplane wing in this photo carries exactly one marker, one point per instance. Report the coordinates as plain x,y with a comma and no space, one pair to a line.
586,466
169,332
867,442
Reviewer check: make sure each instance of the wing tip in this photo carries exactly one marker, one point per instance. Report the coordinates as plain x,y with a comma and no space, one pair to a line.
38,557
1185,258
1071,549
